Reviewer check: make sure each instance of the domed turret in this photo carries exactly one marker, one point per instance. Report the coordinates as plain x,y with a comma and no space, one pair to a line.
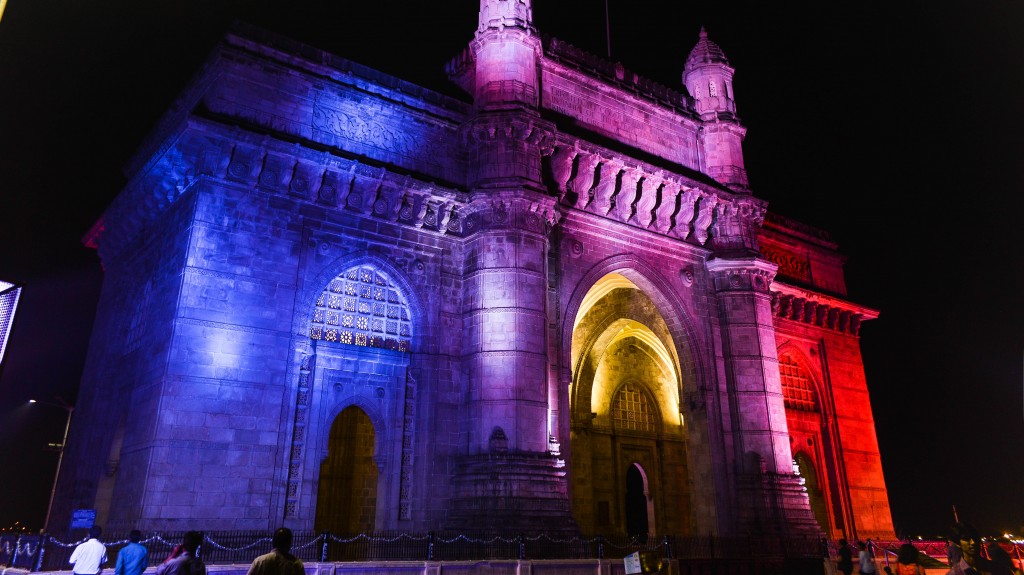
708,77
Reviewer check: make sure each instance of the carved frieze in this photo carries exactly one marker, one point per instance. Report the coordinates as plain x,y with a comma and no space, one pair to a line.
746,274
362,130
791,265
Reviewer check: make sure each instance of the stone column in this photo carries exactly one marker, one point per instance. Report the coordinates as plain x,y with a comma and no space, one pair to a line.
771,498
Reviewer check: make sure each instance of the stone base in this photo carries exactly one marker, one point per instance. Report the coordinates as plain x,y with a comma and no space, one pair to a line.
510,492
776,504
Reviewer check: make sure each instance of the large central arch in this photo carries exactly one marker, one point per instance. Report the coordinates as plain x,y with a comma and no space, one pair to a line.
626,415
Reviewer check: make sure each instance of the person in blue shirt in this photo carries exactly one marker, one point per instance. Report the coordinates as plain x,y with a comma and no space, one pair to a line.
133,558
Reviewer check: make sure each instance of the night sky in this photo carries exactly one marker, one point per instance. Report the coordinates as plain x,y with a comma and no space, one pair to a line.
897,128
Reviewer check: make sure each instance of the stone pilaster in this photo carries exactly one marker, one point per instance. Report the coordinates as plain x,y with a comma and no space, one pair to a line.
509,466
770,495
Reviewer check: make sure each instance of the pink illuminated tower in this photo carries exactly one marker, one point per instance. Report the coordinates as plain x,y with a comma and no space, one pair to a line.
339,301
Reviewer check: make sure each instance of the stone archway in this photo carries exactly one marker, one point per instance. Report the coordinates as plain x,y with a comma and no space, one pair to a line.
625,417
347,494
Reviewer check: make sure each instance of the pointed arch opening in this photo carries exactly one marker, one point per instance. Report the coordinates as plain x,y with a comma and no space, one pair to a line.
347,494
638,516
814,452
626,419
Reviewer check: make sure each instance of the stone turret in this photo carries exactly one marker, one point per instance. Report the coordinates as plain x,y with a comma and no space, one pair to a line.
708,77
505,50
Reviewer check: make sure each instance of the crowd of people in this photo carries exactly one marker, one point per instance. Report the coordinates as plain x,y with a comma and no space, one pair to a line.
89,556
966,556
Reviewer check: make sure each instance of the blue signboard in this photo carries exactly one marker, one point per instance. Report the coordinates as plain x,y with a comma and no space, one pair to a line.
83,518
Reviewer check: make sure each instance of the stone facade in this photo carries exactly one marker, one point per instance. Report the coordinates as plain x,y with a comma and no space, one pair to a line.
336,300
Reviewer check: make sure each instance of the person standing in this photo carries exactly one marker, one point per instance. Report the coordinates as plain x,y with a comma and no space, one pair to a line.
133,558
866,563
188,562
908,561
90,555
280,560
969,542
845,561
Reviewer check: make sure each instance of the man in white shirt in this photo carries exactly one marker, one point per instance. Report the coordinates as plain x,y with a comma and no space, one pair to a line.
88,558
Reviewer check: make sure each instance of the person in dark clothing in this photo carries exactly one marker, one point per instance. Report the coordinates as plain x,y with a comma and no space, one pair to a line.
844,562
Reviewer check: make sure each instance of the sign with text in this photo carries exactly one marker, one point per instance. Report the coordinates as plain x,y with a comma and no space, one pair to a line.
83,518
632,563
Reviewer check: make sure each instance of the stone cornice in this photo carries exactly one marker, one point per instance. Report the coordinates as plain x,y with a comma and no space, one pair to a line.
813,308
741,274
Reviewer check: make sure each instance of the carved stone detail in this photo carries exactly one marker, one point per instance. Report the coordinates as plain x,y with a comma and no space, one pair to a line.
648,198
561,169
606,184
585,173
669,201
705,215
627,195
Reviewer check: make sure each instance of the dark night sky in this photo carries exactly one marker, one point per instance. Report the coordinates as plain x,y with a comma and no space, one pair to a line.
897,126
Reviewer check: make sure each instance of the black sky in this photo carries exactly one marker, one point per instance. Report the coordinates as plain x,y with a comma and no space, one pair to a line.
897,126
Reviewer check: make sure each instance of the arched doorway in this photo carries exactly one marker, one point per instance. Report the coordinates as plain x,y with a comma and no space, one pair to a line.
637,519
347,495
807,435
629,464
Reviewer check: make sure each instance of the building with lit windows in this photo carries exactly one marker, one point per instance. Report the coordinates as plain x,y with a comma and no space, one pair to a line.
9,295
335,300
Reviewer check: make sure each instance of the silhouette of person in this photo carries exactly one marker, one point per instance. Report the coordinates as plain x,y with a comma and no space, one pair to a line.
1002,562
908,560
188,562
133,558
844,563
280,560
90,555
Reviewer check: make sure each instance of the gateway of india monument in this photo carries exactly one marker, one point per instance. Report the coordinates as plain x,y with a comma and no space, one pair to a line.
335,300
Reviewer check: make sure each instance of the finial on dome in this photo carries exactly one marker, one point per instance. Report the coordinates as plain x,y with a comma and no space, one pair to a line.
703,33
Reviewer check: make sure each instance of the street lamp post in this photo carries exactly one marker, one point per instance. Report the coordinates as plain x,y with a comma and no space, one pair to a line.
60,452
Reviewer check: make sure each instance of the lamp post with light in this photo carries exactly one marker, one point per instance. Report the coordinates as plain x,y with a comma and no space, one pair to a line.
60,451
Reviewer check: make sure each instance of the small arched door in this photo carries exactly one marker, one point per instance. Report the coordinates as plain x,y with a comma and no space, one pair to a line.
347,495
637,516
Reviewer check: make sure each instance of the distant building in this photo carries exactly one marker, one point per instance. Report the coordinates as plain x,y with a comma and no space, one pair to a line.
339,301
9,294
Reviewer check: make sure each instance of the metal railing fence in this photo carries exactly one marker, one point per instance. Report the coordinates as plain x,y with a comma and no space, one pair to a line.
43,552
